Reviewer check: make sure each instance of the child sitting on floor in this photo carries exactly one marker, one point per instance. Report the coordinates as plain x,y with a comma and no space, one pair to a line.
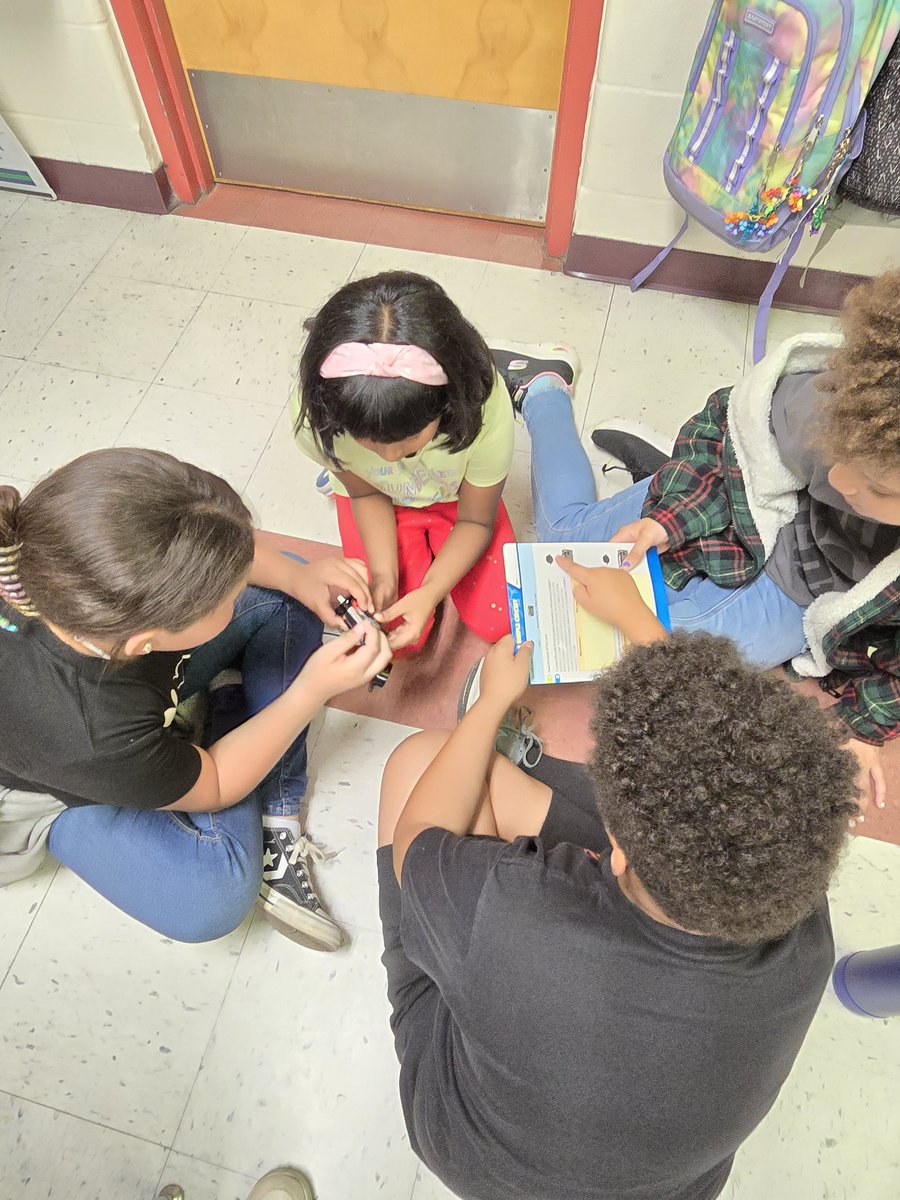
601,992
129,581
400,401
778,514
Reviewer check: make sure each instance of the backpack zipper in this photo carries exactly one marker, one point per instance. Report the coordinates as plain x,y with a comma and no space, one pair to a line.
713,108
771,81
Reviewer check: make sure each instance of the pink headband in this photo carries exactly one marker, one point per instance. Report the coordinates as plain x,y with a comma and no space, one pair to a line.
384,361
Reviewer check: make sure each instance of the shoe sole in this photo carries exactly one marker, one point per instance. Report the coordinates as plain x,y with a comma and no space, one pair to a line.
545,351
466,697
284,1183
302,927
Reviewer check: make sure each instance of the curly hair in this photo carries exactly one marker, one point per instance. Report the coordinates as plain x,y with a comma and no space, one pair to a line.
728,791
399,307
862,412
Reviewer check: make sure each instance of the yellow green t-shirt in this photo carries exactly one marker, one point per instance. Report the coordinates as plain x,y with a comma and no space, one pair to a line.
435,473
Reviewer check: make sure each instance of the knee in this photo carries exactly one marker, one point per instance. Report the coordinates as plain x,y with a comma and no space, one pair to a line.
402,772
211,908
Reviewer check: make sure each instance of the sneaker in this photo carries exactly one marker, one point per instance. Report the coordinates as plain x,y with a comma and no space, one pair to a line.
323,483
283,1184
516,738
287,893
518,364
640,449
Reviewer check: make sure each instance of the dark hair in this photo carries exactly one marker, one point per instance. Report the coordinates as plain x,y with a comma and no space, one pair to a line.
124,540
728,791
862,412
400,308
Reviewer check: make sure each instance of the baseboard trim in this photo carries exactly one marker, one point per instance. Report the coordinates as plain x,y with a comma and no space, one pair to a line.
693,273
137,191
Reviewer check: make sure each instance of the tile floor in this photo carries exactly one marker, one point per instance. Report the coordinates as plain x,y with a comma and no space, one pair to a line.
127,1060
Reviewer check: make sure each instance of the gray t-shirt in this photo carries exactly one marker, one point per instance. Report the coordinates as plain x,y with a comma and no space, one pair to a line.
827,547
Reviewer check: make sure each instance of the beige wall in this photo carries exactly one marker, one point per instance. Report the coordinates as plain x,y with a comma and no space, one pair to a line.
66,87
646,50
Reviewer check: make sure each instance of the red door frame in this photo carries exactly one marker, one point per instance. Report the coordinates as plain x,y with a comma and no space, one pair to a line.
150,44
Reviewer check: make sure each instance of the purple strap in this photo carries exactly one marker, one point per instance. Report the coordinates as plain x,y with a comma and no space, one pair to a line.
761,328
663,254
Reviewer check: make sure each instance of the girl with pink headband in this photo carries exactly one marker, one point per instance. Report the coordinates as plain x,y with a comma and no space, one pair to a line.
400,401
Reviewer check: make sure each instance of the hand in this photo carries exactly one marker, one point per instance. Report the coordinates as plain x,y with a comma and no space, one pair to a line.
384,592
318,584
345,662
871,779
413,611
505,673
608,593
643,533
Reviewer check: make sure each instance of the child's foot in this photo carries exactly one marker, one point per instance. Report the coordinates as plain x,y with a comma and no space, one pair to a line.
519,364
640,449
516,738
323,483
287,893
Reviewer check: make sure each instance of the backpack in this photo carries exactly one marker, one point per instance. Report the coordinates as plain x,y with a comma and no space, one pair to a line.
873,181
771,120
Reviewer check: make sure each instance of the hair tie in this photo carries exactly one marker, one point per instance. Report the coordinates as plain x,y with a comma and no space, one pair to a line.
383,360
10,585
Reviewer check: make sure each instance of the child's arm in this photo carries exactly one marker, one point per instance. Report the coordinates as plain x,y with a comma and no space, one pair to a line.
373,513
610,594
451,789
687,499
476,515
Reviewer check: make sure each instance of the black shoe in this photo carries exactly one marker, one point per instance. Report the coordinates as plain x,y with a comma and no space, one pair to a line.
517,365
640,450
287,894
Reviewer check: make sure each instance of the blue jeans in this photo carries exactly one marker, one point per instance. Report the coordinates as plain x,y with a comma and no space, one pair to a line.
195,876
765,624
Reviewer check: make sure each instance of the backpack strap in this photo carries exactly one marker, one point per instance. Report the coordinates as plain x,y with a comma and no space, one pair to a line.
647,271
761,328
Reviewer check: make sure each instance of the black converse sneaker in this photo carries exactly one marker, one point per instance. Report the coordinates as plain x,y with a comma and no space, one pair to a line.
640,449
519,363
287,896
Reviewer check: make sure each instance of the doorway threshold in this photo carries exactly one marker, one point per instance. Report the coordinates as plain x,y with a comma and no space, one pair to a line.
375,224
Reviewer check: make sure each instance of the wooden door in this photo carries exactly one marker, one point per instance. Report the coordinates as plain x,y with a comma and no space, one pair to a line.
444,104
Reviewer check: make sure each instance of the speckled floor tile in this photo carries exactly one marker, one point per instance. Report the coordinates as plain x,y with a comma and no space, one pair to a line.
49,1155
119,327
49,415
287,267
237,347
166,250
106,1020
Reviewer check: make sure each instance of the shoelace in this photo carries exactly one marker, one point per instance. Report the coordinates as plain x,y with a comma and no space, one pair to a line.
305,848
518,724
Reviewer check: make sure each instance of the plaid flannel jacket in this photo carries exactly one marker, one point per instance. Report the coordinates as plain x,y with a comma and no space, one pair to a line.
700,499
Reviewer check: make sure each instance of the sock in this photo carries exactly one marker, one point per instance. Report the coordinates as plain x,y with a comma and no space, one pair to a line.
276,821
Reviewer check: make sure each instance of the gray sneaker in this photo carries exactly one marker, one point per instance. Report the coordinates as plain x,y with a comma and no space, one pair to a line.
287,896
283,1184
516,738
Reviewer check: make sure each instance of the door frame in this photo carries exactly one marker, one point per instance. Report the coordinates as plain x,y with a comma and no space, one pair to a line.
150,46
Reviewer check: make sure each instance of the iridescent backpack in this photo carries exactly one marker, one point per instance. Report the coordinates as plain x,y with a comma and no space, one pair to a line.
771,119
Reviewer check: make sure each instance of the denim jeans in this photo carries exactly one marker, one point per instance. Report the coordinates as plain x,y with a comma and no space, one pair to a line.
195,876
765,624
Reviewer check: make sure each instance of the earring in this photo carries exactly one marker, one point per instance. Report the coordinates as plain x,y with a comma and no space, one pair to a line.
148,646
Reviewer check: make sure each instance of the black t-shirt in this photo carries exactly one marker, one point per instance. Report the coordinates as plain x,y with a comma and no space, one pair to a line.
576,1040
89,731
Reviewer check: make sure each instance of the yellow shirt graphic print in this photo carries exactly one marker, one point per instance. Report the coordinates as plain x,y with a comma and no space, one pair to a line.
435,474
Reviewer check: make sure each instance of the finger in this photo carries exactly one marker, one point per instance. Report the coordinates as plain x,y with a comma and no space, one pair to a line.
340,647
356,582
573,569
390,614
628,533
403,635
524,654
638,551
